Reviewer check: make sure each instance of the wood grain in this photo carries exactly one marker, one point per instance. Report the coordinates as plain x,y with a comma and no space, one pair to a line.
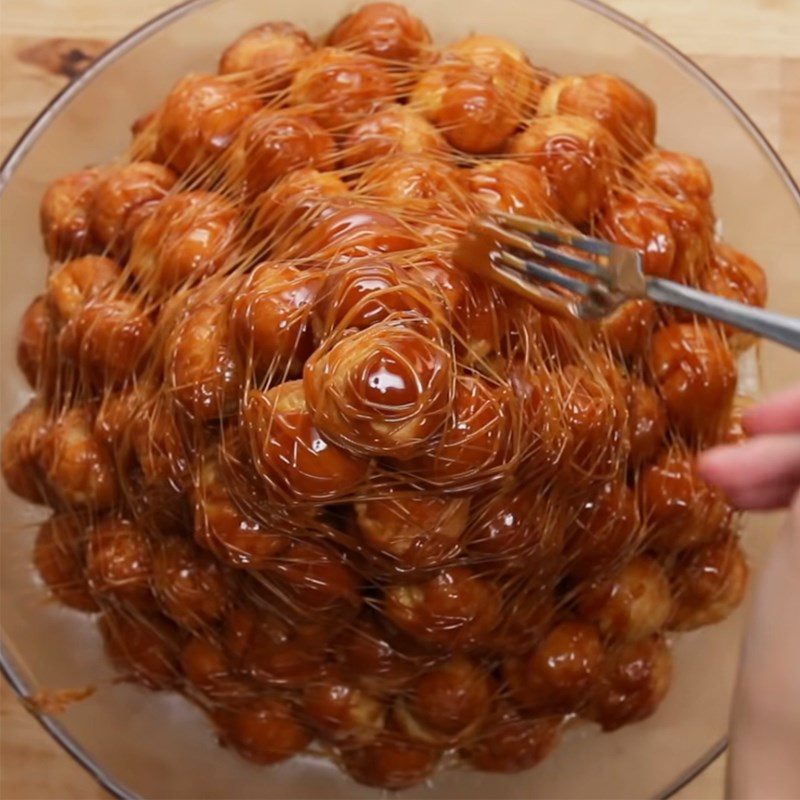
751,47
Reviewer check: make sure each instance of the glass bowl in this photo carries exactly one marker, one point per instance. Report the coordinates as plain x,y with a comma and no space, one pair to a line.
138,743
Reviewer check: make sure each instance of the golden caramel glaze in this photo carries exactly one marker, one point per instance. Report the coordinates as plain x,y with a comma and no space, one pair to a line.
392,762
627,330
36,346
269,54
647,422
578,157
510,187
59,556
74,284
628,114
22,450
290,452
199,120
634,681
383,30
339,88
65,214
208,671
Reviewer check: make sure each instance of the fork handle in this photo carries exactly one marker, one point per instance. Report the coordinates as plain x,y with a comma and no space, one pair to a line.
778,327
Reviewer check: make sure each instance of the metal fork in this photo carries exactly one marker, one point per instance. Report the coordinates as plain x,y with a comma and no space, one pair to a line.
520,249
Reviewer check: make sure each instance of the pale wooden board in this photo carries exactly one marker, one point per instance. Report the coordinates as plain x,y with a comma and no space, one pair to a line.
751,47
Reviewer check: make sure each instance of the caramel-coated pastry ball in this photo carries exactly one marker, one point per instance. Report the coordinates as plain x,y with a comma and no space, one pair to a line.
678,506
392,762
456,609
22,465
514,743
339,88
414,183
520,526
119,562
696,375
199,120
342,711
634,681
708,583
579,158
631,604
190,586
77,465
383,30
510,187
273,143
109,339
474,113
202,367
271,317
627,330
290,452
447,701
647,422
125,196
381,391
606,530
146,646
528,611
419,530
222,526
671,235
58,556
36,352
74,284
476,442
561,672
265,730
189,236
207,669
680,176
271,53
65,214
393,129
627,113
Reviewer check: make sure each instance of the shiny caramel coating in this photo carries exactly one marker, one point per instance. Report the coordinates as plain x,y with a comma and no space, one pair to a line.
23,470
342,711
190,587
678,175
124,197
273,143
207,669
381,391
270,54
529,608
514,743
265,730
74,284
144,646
631,604
627,330
202,368
647,422
189,236
394,128
119,563
679,508
36,355
455,609
58,556
510,187
78,466
708,583
339,88
479,318
65,214
628,114
383,30
291,453
416,529
560,673
578,157
696,376
199,120
393,762
271,317
634,681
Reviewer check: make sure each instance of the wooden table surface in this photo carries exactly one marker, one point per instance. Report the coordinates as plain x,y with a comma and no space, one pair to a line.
751,47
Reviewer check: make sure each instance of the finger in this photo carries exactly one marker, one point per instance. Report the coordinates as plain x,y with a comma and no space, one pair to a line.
762,473
778,414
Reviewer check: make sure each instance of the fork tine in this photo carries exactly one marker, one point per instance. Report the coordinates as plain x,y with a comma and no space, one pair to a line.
557,234
546,274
